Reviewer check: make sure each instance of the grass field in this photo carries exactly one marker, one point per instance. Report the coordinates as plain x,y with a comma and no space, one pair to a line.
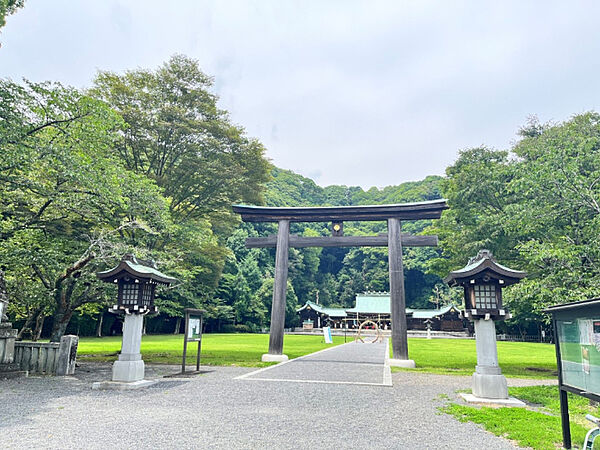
217,349
445,356
459,357
537,426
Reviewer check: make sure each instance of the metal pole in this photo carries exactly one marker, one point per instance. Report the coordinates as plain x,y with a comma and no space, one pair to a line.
184,343
279,289
564,401
397,300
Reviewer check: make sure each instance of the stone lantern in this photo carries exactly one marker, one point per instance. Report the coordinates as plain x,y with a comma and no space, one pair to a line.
482,280
136,280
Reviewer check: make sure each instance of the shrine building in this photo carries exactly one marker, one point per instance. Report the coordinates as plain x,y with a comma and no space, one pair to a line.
375,306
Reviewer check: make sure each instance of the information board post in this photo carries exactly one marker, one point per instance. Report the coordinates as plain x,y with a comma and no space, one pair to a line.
564,402
193,333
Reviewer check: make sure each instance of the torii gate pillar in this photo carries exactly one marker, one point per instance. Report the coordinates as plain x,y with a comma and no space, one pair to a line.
397,297
279,295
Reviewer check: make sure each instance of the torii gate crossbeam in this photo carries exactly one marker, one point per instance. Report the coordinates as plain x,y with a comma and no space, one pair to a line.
394,240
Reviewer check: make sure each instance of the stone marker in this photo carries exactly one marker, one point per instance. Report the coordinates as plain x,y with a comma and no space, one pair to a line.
8,335
67,355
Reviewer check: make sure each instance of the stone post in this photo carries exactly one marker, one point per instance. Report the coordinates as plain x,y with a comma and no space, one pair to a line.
8,335
67,355
130,366
488,381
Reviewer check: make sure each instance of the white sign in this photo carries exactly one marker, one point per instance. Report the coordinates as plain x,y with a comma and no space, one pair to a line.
327,335
586,331
194,331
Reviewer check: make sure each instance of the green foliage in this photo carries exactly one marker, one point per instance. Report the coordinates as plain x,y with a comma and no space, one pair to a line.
67,203
178,136
536,207
149,166
8,7
265,294
336,275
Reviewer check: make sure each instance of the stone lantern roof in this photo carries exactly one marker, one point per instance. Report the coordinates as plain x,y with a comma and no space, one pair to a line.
136,268
484,264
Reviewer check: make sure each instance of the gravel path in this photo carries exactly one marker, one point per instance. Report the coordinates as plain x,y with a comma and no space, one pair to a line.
216,410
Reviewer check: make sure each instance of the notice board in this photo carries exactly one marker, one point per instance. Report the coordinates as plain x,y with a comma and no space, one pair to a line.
579,344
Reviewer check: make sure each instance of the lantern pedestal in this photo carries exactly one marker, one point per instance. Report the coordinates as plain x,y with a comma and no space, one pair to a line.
488,381
130,366
489,385
128,371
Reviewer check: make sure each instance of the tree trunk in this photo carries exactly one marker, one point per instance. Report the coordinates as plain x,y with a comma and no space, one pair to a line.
39,325
3,297
62,316
63,291
144,326
28,324
177,326
99,325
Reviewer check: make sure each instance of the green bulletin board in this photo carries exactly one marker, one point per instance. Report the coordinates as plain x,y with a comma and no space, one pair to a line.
579,341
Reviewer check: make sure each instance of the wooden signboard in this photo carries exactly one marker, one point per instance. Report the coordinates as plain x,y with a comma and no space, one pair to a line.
193,333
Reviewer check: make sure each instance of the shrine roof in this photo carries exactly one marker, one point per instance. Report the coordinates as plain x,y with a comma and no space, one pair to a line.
407,211
377,303
137,268
331,312
484,261
372,303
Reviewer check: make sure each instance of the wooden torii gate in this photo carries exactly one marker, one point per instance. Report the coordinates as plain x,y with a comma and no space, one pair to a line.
394,240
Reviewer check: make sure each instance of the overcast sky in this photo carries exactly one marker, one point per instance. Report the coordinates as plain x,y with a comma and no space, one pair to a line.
367,93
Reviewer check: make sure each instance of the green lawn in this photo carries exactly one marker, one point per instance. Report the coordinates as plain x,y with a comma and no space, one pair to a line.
217,349
459,357
445,356
537,426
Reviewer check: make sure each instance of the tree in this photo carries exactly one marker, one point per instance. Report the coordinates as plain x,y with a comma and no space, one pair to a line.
8,7
265,295
536,207
66,200
179,137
